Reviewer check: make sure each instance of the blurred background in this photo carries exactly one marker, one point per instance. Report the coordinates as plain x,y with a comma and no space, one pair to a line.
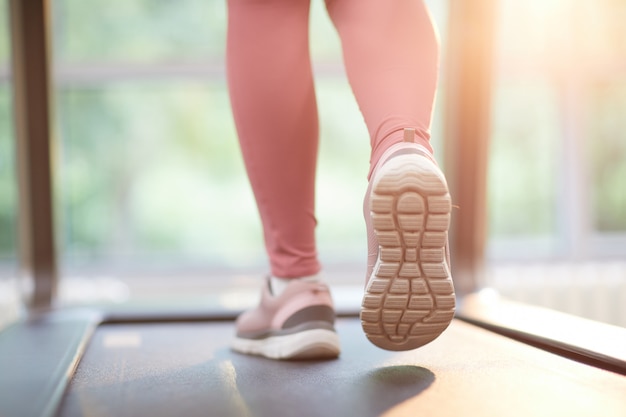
152,201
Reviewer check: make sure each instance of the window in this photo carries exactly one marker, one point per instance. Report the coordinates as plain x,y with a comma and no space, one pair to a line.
558,157
149,178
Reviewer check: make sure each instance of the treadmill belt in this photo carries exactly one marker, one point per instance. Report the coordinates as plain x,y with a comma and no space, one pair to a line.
187,369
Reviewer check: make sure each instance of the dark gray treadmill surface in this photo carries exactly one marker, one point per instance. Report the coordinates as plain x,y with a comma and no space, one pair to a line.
186,369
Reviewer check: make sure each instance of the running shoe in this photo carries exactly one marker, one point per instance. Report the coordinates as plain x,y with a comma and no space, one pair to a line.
297,324
409,298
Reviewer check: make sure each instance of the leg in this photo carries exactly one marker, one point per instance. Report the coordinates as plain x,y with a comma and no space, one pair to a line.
391,56
390,53
273,103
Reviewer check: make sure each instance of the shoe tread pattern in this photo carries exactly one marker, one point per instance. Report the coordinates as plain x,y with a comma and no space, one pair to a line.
409,300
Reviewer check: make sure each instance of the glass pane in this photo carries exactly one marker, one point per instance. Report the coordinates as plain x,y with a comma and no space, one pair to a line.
150,173
7,179
607,147
9,301
5,50
523,155
138,31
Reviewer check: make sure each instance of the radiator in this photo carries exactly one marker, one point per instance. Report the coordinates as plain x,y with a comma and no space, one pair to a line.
594,290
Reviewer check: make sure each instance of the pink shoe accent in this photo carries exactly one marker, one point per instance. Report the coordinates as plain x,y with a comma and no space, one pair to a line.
409,296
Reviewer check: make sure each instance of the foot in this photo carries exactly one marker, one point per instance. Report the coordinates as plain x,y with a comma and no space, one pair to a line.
409,297
297,324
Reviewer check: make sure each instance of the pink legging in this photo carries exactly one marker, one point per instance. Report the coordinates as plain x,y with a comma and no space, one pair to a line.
390,52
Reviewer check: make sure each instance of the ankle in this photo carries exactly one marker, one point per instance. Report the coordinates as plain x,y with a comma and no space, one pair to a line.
278,284
400,140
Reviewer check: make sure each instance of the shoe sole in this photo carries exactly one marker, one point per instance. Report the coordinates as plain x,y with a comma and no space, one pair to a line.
308,344
409,299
